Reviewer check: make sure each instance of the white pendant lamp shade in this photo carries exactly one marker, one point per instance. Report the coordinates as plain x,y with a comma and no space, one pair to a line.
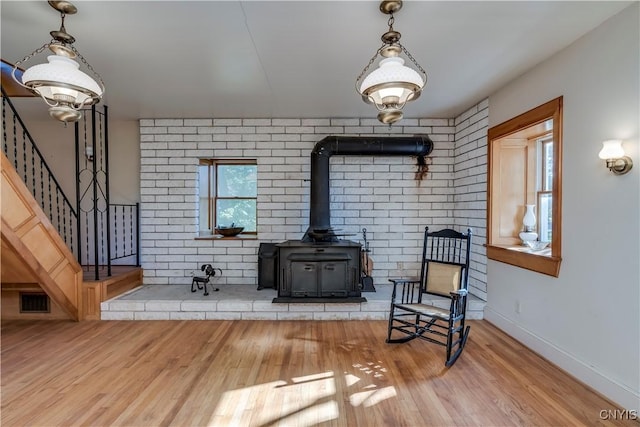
61,81
391,83
390,86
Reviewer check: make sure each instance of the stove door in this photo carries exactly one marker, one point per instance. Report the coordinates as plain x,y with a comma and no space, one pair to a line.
304,279
334,280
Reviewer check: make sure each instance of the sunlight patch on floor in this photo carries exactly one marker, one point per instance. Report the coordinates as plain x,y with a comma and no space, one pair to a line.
302,401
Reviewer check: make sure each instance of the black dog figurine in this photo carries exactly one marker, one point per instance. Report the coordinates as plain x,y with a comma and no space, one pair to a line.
201,281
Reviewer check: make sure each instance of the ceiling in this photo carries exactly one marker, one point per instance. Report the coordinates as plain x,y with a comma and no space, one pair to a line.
257,59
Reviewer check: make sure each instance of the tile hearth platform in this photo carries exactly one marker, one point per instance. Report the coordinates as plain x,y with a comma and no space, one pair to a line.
246,302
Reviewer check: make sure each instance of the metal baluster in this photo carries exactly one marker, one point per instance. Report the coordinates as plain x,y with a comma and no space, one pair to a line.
71,232
86,217
102,236
64,222
15,143
58,208
24,156
115,228
50,199
33,170
4,124
41,182
131,227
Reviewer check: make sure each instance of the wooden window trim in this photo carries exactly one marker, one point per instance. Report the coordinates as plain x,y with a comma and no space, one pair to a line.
549,265
213,194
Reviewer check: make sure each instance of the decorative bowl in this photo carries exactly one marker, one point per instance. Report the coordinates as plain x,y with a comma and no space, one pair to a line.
229,231
536,245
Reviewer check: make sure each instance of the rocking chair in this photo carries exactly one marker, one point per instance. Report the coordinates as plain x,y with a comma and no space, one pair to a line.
444,273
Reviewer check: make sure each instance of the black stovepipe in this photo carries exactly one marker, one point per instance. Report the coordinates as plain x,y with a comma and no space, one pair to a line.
319,211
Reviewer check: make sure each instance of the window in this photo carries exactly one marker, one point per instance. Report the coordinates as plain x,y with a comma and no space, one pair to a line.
524,168
544,193
228,194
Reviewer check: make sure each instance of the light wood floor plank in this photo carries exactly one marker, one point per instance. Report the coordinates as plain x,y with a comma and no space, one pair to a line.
267,373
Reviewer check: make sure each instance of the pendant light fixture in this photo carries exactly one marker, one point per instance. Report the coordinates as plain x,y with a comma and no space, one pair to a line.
59,82
392,84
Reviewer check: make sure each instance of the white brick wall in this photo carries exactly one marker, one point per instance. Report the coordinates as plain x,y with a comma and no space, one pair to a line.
378,193
470,182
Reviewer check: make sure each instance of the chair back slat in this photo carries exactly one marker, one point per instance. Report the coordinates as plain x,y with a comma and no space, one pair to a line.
449,247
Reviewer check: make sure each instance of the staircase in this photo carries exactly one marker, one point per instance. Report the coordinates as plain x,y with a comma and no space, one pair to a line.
32,249
57,253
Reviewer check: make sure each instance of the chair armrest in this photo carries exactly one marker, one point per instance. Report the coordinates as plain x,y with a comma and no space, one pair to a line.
410,289
459,293
403,280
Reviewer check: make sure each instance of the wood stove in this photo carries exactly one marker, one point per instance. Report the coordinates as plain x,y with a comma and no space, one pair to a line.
320,270
321,265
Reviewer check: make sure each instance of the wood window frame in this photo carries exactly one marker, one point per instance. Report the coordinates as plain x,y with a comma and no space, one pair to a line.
212,195
549,265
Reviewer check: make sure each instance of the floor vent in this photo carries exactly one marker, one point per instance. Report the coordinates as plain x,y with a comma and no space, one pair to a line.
34,303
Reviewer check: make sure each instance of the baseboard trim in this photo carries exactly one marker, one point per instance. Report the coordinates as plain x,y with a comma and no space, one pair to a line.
612,390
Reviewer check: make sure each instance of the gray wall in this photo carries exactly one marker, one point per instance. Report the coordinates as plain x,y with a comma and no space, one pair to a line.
587,320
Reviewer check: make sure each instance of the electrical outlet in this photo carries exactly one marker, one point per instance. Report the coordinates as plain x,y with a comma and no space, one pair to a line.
518,307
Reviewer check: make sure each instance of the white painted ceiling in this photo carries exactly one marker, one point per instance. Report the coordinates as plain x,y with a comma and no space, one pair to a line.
203,59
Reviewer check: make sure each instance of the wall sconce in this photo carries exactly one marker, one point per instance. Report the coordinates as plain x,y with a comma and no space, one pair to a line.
613,153
88,151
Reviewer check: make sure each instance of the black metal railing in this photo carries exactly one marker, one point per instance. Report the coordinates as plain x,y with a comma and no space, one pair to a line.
108,231
21,150
97,231
124,232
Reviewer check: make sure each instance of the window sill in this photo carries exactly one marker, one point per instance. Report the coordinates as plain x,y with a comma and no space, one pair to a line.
218,237
540,262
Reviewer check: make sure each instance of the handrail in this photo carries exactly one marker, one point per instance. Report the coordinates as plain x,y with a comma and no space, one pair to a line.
49,193
26,132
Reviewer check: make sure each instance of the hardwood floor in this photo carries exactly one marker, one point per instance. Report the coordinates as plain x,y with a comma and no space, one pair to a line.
267,373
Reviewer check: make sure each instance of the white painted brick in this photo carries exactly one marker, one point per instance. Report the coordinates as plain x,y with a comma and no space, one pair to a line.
288,155
187,315
285,122
241,306
152,315
259,316
117,315
306,307
202,306
376,305
217,315
331,315
124,305
296,315
164,306
369,315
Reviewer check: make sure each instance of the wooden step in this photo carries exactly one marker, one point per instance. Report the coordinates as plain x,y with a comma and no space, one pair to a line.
94,292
